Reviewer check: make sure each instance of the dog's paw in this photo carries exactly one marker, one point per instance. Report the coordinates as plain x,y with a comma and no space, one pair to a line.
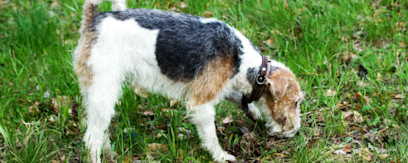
224,156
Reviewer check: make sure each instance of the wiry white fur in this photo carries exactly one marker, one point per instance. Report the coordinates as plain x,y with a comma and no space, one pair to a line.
124,48
209,20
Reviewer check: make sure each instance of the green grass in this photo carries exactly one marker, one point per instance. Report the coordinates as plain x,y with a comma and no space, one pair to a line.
41,115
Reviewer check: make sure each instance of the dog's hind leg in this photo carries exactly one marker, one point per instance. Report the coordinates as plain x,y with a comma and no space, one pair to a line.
203,117
102,96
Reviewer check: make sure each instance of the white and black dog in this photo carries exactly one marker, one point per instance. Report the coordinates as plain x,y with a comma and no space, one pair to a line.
196,60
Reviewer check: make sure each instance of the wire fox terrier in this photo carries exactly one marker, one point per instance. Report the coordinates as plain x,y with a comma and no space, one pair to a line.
196,60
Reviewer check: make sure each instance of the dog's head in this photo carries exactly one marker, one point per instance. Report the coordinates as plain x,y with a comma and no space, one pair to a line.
281,103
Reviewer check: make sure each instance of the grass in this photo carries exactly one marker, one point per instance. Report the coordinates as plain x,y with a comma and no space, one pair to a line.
348,56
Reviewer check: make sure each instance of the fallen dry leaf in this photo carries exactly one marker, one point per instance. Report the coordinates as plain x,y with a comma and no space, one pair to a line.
140,91
181,136
47,94
220,129
330,92
347,56
319,116
173,103
347,148
279,154
62,157
34,108
402,44
362,84
159,135
148,113
227,120
377,150
249,136
366,99
207,14
128,158
379,76
182,5
268,42
54,5
55,161
396,126
352,116
59,102
52,118
365,154
344,105
382,156
358,95
154,147
316,132
400,26
357,34
399,96
244,130
339,152
129,130
358,46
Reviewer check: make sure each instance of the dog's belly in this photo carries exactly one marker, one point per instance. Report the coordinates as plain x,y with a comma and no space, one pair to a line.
127,48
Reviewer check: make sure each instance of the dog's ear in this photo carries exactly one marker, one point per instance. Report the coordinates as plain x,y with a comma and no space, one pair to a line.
279,82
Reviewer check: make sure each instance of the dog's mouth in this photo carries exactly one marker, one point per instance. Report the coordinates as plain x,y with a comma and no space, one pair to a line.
284,134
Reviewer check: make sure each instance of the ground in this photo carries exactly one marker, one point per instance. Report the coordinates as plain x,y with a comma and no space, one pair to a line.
349,56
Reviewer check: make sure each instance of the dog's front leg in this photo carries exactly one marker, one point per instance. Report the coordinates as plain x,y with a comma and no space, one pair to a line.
203,117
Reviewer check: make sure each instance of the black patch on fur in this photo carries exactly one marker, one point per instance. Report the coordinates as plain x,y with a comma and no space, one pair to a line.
185,45
253,72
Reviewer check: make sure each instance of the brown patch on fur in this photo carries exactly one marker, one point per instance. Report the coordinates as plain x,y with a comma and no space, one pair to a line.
210,82
283,85
83,71
277,114
281,97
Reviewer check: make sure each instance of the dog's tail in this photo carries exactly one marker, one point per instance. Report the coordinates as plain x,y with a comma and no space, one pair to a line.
90,10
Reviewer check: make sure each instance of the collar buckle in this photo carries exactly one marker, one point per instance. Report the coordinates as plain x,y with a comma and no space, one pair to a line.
260,80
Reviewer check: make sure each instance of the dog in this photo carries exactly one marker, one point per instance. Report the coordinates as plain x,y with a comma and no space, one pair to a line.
199,61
